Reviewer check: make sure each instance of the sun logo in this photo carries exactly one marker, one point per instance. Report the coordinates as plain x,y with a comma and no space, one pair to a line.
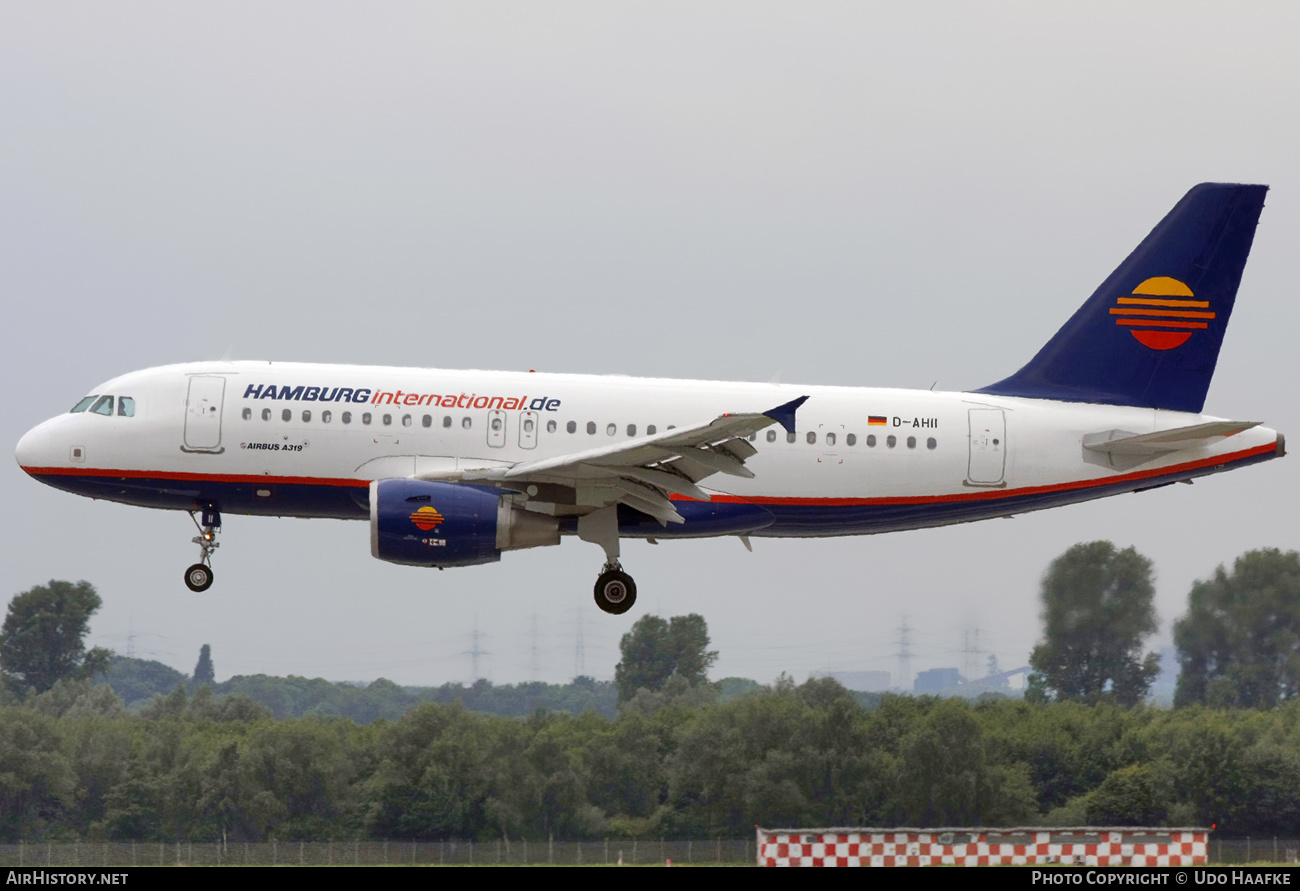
1159,315
426,518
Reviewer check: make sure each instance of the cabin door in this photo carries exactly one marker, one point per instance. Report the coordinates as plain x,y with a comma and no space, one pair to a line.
203,413
988,447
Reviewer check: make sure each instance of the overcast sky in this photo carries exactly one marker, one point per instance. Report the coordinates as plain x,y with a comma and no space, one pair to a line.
859,194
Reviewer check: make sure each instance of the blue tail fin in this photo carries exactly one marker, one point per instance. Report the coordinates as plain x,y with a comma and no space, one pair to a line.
1150,335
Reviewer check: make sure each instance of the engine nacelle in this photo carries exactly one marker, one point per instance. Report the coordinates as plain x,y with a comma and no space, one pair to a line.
422,523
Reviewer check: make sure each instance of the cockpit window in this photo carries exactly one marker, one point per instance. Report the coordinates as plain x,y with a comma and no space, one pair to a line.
103,405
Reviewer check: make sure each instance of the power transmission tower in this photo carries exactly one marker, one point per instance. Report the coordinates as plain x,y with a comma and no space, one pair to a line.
475,651
535,660
580,649
971,651
904,654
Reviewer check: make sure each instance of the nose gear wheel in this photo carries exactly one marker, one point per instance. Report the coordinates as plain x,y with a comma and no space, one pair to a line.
199,576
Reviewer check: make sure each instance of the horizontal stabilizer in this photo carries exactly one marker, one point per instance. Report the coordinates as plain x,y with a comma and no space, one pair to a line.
1121,449
1174,440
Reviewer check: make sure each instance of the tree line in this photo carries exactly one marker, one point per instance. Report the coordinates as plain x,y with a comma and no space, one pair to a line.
674,759
138,681
76,764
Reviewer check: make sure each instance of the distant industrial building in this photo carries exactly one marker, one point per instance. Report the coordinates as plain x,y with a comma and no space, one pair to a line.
937,681
859,681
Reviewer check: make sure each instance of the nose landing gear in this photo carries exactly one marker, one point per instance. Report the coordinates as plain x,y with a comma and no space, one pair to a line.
199,576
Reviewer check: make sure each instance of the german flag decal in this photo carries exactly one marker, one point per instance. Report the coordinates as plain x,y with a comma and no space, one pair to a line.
1160,316
877,420
426,518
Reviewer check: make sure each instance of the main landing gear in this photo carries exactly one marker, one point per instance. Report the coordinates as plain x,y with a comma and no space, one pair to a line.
615,590
199,576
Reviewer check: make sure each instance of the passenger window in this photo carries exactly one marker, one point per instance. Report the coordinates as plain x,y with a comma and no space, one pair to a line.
466,422
572,427
83,404
326,417
611,429
347,417
631,429
496,425
812,437
365,418
891,440
248,414
388,420
830,439
104,406
306,416
550,426
591,428
286,415
406,420
126,407
650,431
771,436
911,442
266,414
851,439
871,440
790,437
528,425
446,420
427,420
931,444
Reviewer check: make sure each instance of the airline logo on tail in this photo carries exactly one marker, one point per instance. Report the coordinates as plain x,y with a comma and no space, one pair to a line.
426,518
1160,314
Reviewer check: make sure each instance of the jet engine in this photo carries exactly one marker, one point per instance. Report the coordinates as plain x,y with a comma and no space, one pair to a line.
422,523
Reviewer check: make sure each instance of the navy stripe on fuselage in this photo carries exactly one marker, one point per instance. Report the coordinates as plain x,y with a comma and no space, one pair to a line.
281,499
724,515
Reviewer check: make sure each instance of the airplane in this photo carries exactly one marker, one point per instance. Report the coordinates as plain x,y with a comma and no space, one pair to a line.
452,468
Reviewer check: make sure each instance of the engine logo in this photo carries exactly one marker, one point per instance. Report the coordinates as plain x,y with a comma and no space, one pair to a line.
426,518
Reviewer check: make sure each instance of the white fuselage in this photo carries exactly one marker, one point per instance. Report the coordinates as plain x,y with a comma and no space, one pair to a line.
306,440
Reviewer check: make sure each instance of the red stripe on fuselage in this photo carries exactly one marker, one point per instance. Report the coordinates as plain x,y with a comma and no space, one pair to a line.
195,477
981,495
992,494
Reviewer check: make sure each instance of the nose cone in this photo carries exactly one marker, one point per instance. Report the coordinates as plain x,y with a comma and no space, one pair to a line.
33,449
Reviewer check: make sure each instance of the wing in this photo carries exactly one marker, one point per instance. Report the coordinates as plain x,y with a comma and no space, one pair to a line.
642,473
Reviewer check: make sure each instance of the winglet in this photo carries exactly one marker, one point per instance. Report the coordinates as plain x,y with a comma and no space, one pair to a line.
784,414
